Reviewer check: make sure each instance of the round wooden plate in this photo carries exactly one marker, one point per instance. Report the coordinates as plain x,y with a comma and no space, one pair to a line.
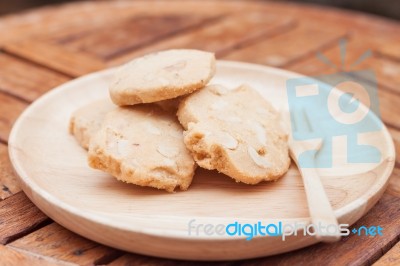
54,174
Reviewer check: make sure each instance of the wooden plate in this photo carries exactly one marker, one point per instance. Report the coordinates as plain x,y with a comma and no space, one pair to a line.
55,176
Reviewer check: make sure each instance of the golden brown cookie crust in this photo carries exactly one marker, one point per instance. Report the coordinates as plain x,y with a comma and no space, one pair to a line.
162,75
236,132
86,121
143,145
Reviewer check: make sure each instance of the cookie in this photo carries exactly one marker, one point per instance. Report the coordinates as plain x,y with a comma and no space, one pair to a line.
86,121
143,145
162,75
236,132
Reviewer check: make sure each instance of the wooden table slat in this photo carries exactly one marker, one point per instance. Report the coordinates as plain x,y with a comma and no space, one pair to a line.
290,46
135,259
222,35
18,217
391,258
390,50
387,72
10,109
57,242
389,105
26,80
12,257
80,18
55,57
395,133
116,39
394,182
9,184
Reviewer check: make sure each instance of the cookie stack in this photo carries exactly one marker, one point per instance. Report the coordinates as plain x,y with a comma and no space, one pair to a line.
164,120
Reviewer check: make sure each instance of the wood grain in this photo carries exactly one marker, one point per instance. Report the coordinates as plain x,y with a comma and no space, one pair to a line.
79,18
388,105
135,259
290,46
375,27
391,258
396,139
122,37
18,217
390,50
221,36
62,245
52,56
10,109
26,80
354,249
45,23
9,184
394,183
386,70
11,257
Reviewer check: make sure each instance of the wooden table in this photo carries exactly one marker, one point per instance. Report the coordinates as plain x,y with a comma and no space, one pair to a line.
43,48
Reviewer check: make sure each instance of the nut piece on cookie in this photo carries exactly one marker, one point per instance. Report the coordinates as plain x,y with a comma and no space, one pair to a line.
162,75
143,145
86,121
236,132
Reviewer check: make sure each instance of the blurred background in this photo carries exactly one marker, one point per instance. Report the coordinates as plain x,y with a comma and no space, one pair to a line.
386,8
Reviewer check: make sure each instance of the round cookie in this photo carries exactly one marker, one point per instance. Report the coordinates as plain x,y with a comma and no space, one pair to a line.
236,132
86,121
143,145
162,75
